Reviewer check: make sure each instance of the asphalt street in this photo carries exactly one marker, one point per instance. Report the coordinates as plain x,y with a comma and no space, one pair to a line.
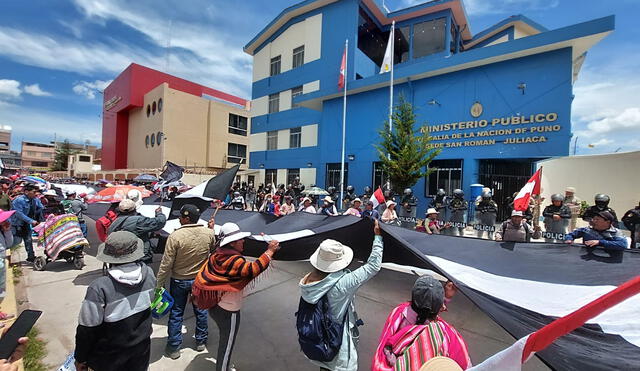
267,337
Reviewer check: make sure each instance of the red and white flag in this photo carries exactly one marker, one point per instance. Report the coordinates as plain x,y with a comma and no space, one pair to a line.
532,188
377,198
343,67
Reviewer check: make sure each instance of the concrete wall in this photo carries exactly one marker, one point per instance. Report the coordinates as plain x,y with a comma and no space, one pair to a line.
615,174
141,156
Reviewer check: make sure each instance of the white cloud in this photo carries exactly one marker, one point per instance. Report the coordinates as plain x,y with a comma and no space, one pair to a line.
34,89
10,88
627,120
483,7
90,88
601,142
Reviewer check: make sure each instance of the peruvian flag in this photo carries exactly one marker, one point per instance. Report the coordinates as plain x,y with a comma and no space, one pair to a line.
343,67
532,188
377,198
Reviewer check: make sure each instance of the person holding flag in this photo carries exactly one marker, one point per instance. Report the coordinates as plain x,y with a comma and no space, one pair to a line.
515,229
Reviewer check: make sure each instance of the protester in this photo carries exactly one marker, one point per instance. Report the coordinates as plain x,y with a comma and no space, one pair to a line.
355,208
389,215
574,204
219,286
432,224
5,199
370,212
415,333
141,226
78,207
330,278
114,325
601,204
268,207
187,248
251,197
631,220
556,217
28,212
6,242
52,206
600,232
328,207
517,229
287,207
307,206
237,202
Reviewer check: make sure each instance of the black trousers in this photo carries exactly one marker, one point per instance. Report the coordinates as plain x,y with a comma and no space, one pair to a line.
135,359
228,325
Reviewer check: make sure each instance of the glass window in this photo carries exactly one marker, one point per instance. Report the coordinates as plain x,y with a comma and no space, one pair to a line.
298,57
272,140
153,108
159,137
447,175
237,124
270,176
295,137
274,103
84,158
160,105
428,37
148,110
401,46
236,153
275,66
292,174
379,177
146,141
297,91
153,139
333,175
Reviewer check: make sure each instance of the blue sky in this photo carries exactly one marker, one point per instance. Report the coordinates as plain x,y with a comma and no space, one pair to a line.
56,57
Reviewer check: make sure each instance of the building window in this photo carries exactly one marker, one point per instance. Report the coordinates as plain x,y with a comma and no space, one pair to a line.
275,66
159,137
379,177
39,164
160,105
270,176
45,154
447,175
292,174
237,124
236,153
295,137
332,178
148,110
146,141
428,37
31,153
274,103
84,158
153,108
298,57
272,140
153,140
297,91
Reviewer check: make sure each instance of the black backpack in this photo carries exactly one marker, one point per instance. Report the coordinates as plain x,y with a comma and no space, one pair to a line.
320,337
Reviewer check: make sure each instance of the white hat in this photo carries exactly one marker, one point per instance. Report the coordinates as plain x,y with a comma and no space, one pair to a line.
135,196
50,192
328,199
357,200
516,213
331,256
432,211
126,206
306,199
390,202
440,363
570,189
230,232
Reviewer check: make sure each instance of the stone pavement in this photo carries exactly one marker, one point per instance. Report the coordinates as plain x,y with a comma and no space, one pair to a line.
267,336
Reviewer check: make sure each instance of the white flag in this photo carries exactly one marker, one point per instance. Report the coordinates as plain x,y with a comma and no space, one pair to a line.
387,61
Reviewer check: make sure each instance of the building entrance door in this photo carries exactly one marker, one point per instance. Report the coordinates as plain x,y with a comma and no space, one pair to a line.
505,177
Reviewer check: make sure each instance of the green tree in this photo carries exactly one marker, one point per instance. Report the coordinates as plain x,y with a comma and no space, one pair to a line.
61,159
404,151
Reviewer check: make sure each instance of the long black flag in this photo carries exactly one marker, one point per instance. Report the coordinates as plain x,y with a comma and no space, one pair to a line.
171,172
218,186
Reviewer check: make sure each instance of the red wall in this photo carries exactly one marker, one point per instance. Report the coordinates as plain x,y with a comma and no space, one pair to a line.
131,86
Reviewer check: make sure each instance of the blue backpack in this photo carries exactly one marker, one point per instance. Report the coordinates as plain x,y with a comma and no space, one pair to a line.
320,337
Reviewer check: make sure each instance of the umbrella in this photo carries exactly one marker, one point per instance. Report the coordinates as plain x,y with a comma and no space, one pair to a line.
117,193
145,178
315,191
34,179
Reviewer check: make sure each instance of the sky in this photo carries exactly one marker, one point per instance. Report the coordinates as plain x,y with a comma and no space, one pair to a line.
57,56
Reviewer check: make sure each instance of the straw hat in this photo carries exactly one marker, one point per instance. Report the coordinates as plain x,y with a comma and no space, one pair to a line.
331,256
230,232
328,199
390,202
431,210
441,364
306,199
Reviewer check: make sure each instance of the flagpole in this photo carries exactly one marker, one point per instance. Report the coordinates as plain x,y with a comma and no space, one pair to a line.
393,42
344,120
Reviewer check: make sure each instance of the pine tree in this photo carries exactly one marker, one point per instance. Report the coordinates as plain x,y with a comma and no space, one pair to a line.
61,159
404,152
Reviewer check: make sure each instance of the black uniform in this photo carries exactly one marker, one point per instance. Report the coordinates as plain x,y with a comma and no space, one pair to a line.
631,220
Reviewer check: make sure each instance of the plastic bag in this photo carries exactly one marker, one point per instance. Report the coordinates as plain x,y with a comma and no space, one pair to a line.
69,364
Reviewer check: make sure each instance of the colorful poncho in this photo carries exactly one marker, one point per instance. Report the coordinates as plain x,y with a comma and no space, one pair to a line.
405,347
60,232
225,271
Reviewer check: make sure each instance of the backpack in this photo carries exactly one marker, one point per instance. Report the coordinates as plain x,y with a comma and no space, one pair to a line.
103,223
320,337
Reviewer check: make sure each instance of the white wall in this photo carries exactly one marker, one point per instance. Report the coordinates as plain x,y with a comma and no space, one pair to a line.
258,142
311,87
617,175
285,100
308,176
283,139
260,106
309,136
503,39
282,176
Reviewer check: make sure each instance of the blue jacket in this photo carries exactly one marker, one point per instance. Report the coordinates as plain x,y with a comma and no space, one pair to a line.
21,205
610,239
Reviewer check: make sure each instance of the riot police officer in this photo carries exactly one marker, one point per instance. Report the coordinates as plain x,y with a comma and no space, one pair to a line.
409,201
333,193
602,204
556,218
631,220
439,202
349,196
366,195
458,207
486,214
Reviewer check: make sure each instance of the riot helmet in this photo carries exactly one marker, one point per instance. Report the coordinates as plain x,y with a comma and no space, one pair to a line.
350,189
458,193
602,200
486,195
331,189
557,197
367,190
408,192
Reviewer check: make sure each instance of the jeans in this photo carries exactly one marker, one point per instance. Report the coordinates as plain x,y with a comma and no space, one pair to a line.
83,228
24,233
180,291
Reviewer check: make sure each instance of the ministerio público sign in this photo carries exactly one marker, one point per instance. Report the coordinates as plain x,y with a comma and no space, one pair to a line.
518,129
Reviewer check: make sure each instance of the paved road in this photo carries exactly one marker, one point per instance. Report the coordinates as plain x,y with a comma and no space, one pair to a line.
267,338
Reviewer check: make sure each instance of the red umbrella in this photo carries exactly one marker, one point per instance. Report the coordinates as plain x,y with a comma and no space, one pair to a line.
117,193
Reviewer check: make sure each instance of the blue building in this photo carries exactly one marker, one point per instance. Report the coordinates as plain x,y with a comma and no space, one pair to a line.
495,101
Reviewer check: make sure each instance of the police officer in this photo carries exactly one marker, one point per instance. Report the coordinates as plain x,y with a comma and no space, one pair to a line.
333,193
439,202
237,202
409,201
556,218
349,196
631,220
366,195
458,207
602,204
486,214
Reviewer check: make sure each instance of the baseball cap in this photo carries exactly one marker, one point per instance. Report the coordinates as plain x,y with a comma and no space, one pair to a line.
516,213
190,211
428,294
606,216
